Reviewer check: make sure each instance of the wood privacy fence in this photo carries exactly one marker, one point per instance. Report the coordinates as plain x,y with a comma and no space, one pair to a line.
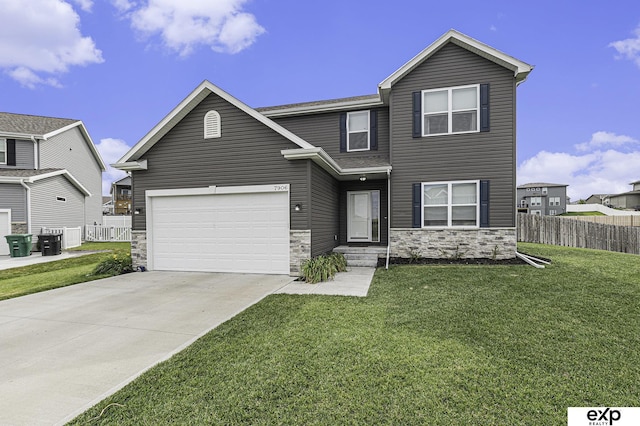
608,220
577,233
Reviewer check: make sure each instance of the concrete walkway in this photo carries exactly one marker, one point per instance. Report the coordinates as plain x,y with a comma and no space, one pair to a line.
8,262
354,282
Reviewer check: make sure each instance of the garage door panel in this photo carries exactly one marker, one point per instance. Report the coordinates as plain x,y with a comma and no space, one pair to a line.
221,232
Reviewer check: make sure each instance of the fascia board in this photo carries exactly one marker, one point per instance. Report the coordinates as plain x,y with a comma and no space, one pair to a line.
320,108
320,157
86,136
521,69
131,165
187,105
23,136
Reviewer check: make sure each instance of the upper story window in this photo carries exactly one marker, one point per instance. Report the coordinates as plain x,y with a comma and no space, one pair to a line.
451,110
358,131
536,201
3,151
212,125
450,204
554,201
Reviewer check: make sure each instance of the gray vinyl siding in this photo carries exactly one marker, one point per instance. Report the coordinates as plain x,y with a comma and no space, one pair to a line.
325,197
369,185
247,153
24,156
69,150
14,197
323,130
47,211
475,156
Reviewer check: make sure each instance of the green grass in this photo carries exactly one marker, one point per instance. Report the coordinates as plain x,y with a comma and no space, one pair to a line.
463,345
46,276
582,214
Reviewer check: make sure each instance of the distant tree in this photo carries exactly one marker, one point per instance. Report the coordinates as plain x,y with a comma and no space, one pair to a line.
581,201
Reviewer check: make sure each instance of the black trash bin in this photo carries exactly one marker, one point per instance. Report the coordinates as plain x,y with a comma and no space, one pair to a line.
50,244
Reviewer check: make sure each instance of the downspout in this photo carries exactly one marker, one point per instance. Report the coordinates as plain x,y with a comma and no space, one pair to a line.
28,205
388,217
35,153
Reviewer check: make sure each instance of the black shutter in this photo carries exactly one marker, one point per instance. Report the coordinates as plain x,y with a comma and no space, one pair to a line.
417,114
343,132
11,152
417,205
484,204
484,107
373,129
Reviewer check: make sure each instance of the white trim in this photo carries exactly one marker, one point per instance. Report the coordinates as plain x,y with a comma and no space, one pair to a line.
210,190
86,135
187,105
320,157
131,165
328,107
368,148
3,241
3,141
520,69
449,204
32,179
450,110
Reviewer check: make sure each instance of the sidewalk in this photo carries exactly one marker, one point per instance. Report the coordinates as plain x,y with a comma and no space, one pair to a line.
8,262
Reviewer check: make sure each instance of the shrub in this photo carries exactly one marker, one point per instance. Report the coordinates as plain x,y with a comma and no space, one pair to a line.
323,268
115,265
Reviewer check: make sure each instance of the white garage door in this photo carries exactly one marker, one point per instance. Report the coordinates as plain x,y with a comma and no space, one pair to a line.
225,231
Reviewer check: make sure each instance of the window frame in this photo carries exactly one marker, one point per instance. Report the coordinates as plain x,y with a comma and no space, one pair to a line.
450,110
450,205
3,150
554,201
368,148
536,203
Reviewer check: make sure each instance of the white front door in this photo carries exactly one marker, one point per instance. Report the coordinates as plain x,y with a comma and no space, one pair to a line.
359,216
5,229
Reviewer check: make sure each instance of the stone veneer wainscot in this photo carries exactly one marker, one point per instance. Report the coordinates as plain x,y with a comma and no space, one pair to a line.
482,243
299,250
138,249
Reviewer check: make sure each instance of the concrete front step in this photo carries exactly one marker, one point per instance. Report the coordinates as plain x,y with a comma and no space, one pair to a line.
368,262
362,256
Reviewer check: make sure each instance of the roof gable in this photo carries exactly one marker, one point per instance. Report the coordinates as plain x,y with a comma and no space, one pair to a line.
520,69
186,106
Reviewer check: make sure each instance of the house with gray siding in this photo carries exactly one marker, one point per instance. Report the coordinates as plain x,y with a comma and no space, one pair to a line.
627,200
50,174
424,167
542,199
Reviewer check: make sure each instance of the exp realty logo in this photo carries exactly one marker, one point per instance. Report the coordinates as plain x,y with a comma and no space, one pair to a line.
603,416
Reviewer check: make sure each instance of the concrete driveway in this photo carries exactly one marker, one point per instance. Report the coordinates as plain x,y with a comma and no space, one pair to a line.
63,350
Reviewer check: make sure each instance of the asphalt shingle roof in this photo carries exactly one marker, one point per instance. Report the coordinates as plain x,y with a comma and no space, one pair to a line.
25,173
31,124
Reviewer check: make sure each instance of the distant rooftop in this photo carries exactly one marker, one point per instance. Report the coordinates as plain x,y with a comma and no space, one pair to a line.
31,124
540,185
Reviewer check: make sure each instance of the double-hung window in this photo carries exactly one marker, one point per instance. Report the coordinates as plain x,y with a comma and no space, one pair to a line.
536,201
554,201
3,151
450,204
358,131
451,110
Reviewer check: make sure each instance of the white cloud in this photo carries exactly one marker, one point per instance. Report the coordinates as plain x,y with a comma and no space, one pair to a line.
85,5
590,173
629,48
604,139
111,151
42,37
183,26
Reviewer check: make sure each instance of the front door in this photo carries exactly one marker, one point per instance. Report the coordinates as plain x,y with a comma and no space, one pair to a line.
363,212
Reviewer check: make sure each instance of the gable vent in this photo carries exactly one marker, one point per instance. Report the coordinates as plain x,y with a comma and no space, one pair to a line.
212,127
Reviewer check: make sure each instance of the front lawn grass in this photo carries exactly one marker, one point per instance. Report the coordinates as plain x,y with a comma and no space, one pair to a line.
60,273
445,344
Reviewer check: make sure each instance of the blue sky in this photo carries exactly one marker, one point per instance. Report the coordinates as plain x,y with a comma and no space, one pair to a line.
121,65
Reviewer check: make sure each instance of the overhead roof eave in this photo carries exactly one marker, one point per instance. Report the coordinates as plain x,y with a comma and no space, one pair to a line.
321,158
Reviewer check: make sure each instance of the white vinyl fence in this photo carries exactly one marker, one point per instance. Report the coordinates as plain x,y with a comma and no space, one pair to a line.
116,221
71,237
107,233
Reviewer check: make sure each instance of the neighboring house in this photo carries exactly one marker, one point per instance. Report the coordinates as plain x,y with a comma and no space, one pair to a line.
50,173
598,199
107,205
543,199
627,200
121,196
425,167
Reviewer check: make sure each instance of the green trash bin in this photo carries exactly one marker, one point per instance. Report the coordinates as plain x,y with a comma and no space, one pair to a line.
19,244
